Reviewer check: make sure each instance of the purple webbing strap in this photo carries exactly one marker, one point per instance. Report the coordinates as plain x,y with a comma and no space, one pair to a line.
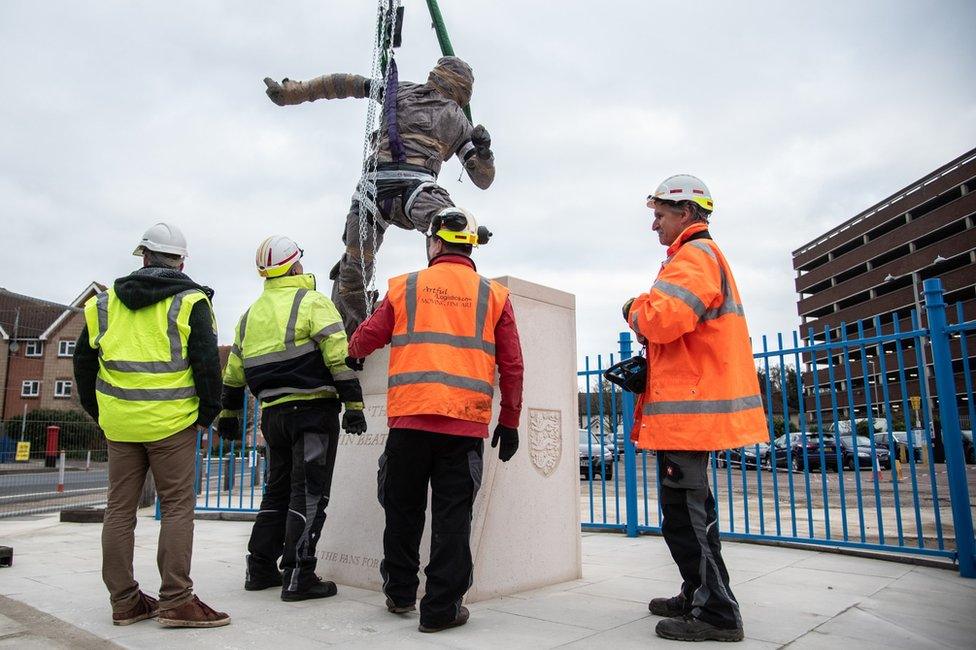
389,110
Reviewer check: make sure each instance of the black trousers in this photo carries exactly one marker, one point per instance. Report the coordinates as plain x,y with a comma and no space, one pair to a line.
301,439
451,465
691,533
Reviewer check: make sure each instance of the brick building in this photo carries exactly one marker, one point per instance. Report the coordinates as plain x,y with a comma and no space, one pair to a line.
37,341
873,265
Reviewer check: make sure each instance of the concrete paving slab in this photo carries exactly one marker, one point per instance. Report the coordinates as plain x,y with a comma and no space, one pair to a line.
866,630
572,608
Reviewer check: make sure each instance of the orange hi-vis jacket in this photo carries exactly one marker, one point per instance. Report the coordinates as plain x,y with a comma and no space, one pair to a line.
702,392
442,355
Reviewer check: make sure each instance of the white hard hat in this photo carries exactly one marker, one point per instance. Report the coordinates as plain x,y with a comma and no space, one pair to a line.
276,255
458,226
682,187
163,238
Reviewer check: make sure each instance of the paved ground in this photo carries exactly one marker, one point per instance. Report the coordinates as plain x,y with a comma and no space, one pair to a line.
788,597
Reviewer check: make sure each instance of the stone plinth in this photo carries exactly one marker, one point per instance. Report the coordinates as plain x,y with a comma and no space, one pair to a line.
526,526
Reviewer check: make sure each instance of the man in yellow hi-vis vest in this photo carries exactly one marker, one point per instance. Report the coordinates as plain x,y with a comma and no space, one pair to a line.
290,351
147,369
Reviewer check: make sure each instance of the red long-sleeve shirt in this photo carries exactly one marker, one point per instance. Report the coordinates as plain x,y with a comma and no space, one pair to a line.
377,331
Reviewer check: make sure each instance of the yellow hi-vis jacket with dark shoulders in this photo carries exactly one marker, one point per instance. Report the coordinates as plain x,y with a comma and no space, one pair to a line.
144,388
702,392
289,345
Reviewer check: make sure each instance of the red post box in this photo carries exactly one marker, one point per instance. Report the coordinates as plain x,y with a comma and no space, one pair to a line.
51,451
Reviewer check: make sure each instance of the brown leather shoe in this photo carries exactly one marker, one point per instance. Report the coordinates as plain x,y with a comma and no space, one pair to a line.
193,613
147,607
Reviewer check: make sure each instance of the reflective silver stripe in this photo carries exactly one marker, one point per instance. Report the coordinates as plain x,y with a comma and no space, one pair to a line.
101,305
282,355
152,367
327,331
682,294
484,291
437,377
144,394
235,350
173,327
473,342
698,407
633,321
411,301
700,245
242,326
343,375
402,175
273,392
293,318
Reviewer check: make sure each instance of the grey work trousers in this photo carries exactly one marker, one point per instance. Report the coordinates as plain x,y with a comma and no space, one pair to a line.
690,530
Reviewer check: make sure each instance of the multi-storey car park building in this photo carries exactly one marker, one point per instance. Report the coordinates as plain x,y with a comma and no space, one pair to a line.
870,269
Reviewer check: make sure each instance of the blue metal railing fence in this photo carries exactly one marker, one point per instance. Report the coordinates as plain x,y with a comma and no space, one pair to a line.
858,455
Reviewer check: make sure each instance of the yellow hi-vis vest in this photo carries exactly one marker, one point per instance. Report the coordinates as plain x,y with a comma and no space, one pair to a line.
144,388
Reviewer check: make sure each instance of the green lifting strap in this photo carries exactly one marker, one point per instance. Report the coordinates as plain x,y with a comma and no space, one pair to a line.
444,40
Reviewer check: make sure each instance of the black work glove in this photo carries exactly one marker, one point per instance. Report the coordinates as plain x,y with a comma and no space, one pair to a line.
481,140
626,310
355,363
229,428
509,438
354,422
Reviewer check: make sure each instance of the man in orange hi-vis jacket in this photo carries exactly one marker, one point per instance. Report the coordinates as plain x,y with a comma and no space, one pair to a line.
701,395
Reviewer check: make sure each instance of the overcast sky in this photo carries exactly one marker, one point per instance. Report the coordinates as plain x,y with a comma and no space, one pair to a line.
115,115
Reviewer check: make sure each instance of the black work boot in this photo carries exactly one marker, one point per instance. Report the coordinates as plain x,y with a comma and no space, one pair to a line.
393,608
461,618
318,589
667,607
260,575
688,628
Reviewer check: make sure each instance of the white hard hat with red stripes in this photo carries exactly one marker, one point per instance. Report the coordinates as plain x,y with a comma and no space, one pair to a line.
276,255
682,187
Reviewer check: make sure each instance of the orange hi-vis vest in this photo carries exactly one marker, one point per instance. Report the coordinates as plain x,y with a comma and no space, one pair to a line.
442,356
702,393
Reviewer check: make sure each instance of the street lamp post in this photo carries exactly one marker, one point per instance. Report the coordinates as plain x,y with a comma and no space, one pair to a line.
923,373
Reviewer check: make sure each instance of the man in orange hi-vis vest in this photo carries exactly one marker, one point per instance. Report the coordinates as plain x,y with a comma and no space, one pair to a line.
448,328
701,395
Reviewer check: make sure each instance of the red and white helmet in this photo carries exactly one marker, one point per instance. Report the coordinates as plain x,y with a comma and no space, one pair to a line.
276,255
682,187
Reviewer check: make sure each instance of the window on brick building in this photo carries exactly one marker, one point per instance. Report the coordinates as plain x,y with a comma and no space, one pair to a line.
63,387
33,348
30,388
66,348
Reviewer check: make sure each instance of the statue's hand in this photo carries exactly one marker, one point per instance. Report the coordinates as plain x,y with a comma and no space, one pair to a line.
286,93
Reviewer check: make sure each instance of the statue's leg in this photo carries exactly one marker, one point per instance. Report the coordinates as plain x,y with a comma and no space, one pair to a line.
348,289
421,206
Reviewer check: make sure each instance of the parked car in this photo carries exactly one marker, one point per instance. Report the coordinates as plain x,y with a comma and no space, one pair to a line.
752,455
862,456
901,442
795,460
593,459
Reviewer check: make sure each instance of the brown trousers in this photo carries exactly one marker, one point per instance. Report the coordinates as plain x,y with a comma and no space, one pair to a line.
171,460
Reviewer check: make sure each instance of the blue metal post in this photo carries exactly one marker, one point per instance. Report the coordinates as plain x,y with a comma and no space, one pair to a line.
630,457
945,385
